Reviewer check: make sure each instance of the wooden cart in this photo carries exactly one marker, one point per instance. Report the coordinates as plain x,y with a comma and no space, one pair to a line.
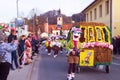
96,38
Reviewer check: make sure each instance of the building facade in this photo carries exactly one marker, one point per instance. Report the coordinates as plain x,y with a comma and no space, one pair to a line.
57,32
105,11
116,17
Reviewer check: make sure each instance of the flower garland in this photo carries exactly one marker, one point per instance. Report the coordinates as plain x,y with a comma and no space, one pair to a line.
97,44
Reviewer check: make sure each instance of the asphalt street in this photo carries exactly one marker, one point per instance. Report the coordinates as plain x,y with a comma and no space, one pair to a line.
51,68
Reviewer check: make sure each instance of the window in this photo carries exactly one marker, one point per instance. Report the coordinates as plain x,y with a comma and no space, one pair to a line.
56,33
90,15
95,13
87,17
100,11
59,19
107,6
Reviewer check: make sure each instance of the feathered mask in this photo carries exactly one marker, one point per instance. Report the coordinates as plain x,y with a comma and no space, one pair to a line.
76,29
76,33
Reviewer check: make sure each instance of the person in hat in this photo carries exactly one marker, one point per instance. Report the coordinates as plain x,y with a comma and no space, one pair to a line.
5,52
73,46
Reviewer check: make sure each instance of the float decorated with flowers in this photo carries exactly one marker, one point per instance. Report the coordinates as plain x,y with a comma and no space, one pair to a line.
96,45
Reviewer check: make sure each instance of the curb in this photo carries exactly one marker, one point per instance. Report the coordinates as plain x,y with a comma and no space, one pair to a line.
33,75
31,69
23,74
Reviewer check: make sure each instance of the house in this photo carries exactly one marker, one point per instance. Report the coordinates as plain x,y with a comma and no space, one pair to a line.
59,28
105,11
54,30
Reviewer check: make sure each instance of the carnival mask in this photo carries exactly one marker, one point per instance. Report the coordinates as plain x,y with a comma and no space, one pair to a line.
76,33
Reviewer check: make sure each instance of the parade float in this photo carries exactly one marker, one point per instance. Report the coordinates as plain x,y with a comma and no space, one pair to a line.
96,45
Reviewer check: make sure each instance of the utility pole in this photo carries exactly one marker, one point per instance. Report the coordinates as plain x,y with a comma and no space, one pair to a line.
17,8
33,20
36,24
17,16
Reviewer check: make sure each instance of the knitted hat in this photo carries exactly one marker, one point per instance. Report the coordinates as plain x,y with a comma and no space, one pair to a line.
2,36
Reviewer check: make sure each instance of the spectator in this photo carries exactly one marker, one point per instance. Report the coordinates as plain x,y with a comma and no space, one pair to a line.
5,50
34,44
114,45
118,45
21,49
28,50
13,37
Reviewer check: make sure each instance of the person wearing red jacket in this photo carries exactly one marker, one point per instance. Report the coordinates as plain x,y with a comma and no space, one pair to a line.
28,50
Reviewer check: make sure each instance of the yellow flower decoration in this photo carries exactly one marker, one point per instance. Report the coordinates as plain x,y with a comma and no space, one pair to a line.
91,34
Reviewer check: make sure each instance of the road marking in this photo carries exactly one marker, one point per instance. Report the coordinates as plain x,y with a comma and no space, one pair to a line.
116,64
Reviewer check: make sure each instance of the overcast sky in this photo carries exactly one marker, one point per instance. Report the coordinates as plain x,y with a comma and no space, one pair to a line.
8,10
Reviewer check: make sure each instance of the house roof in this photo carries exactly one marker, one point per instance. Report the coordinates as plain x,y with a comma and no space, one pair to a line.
89,6
66,26
54,27
51,27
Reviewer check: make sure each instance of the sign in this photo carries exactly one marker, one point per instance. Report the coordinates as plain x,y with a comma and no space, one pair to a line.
19,22
12,24
87,58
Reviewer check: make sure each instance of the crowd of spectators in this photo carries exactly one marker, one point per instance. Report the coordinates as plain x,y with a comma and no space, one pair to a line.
15,52
116,45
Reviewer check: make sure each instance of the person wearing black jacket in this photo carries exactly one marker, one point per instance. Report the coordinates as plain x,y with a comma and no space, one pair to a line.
21,49
12,37
118,45
34,43
114,45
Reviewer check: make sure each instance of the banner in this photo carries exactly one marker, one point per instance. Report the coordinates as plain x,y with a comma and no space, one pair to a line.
87,58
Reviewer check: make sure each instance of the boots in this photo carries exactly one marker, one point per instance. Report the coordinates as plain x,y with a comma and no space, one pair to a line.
73,76
49,54
69,77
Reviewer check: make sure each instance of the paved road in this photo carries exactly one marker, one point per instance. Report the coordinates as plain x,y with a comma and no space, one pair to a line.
56,69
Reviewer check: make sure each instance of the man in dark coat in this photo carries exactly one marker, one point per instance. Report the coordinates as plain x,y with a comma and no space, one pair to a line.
12,37
21,48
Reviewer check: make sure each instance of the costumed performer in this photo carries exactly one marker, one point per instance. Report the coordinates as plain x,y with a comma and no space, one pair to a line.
73,46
